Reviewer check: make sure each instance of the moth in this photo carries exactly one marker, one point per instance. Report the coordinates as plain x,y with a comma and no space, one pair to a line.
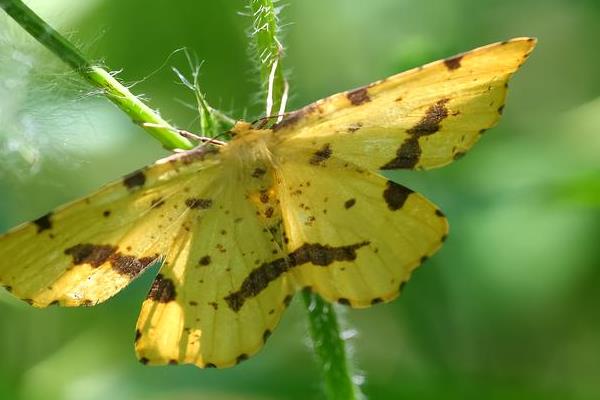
240,227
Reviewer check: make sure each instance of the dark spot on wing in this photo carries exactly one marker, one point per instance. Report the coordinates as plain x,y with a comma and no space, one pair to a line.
344,301
402,285
349,203
358,96
354,127
205,261
444,238
173,362
453,63
258,173
264,197
130,265
407,155
44,223
501,109
92,254
430,123
439,213
395,195
423,259
138,335
198,154
162,290
376,300
293,118
269,212
135,179
409,152
323,255
210,365
144,360
289,120
106,213
458,155
241,357
195,203
313,253
266,335
321,155
97,255
158,202
288,300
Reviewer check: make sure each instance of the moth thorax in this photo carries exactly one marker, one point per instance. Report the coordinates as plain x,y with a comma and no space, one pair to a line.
248,146
241,128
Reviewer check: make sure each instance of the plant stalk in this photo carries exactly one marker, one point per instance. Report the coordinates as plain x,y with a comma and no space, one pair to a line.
268,53
330,349
138,111
329,346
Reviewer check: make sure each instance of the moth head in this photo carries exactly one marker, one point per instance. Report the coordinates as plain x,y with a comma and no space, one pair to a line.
241,128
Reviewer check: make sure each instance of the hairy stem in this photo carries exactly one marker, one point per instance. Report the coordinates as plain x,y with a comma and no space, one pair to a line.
268,53
330,349
329,346
139,112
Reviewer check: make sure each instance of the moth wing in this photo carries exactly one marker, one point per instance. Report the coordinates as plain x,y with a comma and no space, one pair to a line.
353,236
86,251
221,290
420,119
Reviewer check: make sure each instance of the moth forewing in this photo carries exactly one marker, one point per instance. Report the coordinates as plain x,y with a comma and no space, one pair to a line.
420,119
88,250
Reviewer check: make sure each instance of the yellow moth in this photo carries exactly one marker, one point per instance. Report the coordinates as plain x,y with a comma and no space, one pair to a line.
241,227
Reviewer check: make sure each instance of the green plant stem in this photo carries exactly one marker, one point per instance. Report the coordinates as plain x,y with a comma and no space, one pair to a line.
329,346
139,112
268,52
330,349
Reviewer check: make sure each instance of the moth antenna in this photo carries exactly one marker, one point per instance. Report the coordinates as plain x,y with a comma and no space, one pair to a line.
260,123
203,139
188,134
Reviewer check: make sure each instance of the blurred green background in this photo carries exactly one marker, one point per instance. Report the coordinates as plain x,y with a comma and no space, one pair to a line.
507,309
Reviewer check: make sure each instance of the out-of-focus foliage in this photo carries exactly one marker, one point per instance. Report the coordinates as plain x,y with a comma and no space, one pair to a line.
509,307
